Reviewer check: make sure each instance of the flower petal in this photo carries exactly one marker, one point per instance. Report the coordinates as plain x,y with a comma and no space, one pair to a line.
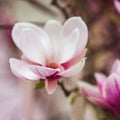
100,79
69,45
73,23
53,29
93,94
43,71
112,90
32,40
101,102
75,69
116,67
74,60
117,5
50,85
89,91
21,69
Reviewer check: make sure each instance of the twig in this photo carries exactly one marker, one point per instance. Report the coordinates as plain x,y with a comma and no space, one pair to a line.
67,92
54,2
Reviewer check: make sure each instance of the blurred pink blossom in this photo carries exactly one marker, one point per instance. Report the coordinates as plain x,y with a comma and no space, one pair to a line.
107,94
117,5
50,53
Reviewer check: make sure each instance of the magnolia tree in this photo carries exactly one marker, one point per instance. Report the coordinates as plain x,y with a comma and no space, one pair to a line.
49,71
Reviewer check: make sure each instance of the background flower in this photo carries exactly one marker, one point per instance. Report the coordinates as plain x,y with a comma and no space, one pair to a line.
107,94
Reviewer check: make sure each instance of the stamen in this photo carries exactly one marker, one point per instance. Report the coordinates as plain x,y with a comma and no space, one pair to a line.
52,65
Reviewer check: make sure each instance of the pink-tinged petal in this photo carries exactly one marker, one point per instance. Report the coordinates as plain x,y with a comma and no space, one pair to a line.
43,71
50,85
69,46
100,79
117,5
89,91
21,70
100,102
32,40
73,23
93,94
116,67
74,60
73,70
112,90
25,59
53,29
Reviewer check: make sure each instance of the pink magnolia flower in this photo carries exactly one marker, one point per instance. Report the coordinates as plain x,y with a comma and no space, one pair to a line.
107,93
117,5
50,53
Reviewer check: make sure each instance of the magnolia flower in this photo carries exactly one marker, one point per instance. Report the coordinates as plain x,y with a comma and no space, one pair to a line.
107,93
50,53
117,5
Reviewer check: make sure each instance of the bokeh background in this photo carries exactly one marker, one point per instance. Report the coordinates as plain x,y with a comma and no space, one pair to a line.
18,99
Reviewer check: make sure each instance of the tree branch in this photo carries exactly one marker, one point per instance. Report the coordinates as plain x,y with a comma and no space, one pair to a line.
67,92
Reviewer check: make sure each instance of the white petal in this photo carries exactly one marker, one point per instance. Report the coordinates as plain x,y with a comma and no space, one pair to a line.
53,29
75,60
32,40
75,69
69,46
21,69
73,23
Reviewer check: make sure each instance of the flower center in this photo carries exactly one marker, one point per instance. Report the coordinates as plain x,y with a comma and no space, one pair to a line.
55,66
52,65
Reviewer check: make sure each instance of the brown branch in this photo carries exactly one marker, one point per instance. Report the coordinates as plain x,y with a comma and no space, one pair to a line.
55,3
67,92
